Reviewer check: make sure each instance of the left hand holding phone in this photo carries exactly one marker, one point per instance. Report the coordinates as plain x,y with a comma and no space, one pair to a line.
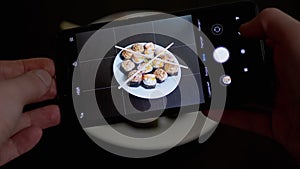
24,82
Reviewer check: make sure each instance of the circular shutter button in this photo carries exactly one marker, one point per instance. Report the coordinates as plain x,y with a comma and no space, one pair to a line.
221,54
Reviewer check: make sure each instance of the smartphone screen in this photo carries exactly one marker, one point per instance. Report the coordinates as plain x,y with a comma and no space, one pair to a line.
115,70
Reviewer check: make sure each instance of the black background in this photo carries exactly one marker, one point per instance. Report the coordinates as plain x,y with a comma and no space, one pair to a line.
28,29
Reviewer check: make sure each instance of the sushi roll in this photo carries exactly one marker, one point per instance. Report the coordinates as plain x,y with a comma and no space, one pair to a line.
149,49
167,57
171,69
149,46
149,53
158,51
137,59
160,75
136,80
126,55
127,66
149,81
147,69
157,64
137,47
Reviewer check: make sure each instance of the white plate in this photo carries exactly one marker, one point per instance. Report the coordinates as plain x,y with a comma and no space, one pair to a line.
161,89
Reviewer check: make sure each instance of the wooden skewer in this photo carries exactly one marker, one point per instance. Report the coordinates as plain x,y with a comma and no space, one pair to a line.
147,56
143,67
182,66
129,50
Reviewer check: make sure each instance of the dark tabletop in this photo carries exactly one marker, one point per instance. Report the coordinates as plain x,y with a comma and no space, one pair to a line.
28,29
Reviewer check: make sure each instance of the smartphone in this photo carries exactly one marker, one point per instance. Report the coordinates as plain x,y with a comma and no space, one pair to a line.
145,67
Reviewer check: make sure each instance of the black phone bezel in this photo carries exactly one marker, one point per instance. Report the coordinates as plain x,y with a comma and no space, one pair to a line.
66,52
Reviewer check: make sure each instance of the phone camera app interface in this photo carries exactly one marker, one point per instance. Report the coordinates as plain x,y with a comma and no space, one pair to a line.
139,70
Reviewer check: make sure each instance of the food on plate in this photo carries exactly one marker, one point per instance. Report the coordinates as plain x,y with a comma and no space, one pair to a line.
149,46
149,81
167,57
158,51
161,75
137,47
147,69
149,49
149,74
126,55
137,59
127,65
157,64
136,80
171,69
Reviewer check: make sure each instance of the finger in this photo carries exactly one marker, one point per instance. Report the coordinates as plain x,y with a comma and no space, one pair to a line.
27,88
19,144
52,92
11,69
256,122
43,118
271,24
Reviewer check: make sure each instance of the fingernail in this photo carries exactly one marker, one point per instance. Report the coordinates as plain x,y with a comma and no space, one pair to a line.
44,76
55,118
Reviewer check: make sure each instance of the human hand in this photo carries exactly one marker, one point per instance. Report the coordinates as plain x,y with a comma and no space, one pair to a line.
282,33
23,82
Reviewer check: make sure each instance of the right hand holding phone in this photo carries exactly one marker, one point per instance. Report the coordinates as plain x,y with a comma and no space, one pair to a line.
282,33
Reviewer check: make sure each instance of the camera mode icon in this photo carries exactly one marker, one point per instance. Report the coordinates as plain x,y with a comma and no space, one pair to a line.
217,29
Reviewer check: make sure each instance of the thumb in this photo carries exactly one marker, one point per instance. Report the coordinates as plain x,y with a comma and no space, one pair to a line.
17,92
28,87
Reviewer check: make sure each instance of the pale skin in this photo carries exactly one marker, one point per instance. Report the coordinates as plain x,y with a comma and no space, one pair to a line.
29,81
23,82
